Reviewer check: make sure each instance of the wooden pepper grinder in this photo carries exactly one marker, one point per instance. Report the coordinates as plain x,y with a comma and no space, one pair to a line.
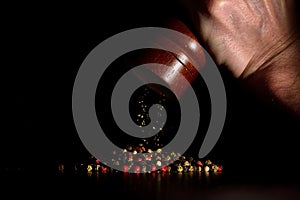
178,65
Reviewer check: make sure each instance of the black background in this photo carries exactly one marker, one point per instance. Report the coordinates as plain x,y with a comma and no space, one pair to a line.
44,46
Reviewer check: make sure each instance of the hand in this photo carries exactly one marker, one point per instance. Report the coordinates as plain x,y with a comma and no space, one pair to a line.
255,40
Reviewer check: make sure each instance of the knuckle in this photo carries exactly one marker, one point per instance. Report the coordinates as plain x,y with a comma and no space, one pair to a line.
217,7
220,3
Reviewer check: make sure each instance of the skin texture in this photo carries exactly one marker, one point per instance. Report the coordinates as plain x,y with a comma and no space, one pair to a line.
257,41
